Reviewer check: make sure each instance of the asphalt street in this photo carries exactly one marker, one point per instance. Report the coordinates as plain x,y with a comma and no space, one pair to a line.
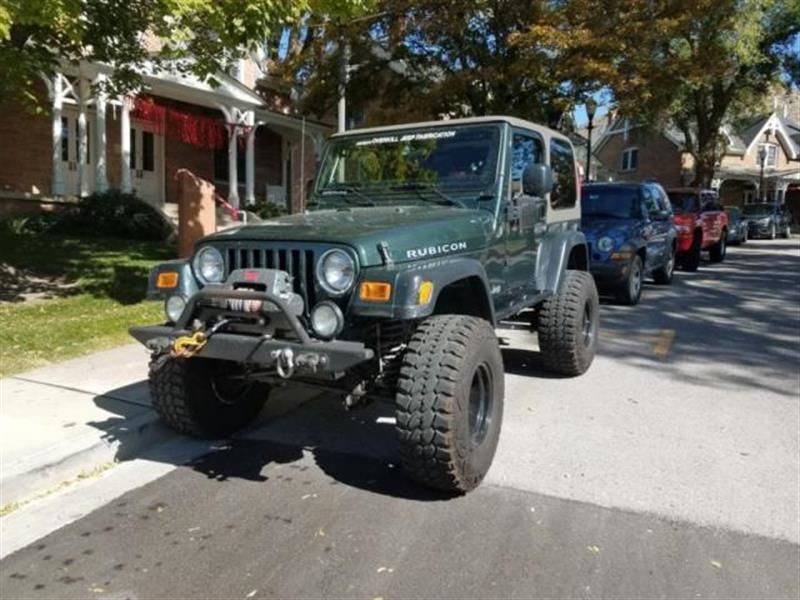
670,470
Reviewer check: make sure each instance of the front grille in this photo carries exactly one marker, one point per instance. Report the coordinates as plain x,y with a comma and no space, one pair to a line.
299,262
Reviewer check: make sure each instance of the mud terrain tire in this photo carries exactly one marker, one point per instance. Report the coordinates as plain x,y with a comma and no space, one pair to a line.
720,249
569,326
195,396
449,403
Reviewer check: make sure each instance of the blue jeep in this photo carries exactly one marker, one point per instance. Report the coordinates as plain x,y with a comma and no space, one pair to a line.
630,233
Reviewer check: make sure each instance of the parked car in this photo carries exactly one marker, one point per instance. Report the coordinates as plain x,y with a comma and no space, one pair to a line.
630,233
768,220
737,225
701,224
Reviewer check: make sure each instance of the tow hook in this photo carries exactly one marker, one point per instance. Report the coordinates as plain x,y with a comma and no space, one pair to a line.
284,362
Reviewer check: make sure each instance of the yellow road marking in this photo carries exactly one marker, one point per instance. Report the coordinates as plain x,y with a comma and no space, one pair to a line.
664,341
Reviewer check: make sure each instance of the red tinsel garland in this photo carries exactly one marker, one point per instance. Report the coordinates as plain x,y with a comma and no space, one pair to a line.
189,128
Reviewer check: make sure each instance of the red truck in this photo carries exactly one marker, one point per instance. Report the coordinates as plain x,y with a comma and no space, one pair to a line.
701,224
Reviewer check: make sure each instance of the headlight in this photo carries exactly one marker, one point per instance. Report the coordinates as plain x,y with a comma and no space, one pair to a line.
208,265
173,307
605,244
336,272
326,320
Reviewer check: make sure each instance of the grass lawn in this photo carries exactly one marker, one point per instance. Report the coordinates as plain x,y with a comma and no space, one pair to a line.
89,292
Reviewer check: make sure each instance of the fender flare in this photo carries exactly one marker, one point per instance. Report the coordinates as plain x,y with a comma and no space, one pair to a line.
406,284
556,249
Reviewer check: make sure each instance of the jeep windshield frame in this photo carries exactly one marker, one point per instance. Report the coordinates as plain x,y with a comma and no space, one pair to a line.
457,165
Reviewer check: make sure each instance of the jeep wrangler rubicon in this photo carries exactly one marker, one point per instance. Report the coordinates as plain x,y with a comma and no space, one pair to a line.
418,240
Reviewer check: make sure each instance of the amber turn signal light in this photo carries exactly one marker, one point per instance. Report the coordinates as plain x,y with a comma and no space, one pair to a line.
167,279
425,292
375,291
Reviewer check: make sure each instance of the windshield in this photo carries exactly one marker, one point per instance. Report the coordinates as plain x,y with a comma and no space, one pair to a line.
684,201
757,209
447,165
611,202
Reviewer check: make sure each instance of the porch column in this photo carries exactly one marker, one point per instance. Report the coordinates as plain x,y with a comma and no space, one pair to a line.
233,183
250,163
125,145
57,185
100,174
83,181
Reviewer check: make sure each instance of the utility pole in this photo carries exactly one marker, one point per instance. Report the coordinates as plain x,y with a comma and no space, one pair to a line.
344,69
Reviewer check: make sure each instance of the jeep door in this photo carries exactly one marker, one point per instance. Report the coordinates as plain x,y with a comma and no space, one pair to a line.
656,228
521,215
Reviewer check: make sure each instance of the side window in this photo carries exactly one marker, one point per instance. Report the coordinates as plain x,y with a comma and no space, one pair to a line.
564,194
526,149
630,159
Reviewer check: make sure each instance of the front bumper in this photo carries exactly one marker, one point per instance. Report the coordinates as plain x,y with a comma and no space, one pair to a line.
610,273
309,354
757,228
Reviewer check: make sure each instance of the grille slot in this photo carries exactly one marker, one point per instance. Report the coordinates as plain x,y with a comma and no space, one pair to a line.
299,262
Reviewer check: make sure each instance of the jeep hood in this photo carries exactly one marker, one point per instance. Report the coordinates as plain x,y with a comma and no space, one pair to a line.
614,228
410,232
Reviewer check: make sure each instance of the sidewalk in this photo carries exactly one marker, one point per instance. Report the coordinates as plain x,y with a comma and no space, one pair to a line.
74,418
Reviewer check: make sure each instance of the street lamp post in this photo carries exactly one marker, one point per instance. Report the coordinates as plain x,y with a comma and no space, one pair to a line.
762,156
591,107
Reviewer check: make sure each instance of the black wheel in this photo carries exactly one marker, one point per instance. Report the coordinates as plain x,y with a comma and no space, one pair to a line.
631,290
773,231
449,404
690,260
663,275
745,235
787,232
569,326
204,398
720,249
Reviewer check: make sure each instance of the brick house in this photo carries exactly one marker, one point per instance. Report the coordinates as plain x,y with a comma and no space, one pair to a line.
631,152
89,142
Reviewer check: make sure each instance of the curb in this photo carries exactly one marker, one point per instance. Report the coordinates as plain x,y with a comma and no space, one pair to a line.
70,459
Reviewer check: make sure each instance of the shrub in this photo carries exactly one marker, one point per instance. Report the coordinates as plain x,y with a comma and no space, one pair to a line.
113,214
268,210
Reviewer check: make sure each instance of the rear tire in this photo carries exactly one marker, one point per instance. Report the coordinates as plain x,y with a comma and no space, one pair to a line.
197,397
569,326
630,292
449,404
787,232
690,261
720,249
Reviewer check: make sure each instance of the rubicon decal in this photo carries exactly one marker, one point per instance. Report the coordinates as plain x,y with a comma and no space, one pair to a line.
434,250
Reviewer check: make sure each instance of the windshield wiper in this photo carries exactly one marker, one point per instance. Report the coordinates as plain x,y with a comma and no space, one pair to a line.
427,187
345,191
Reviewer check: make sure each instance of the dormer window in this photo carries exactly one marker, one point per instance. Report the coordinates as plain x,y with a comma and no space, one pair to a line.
770,154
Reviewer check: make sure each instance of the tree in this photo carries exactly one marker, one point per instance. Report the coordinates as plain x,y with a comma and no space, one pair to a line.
418,59
693,63
198,36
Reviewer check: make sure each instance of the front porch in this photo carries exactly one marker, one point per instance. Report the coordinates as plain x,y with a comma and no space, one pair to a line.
137,143
738,187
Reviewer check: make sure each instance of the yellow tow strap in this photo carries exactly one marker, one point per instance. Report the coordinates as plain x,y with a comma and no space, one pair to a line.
187,346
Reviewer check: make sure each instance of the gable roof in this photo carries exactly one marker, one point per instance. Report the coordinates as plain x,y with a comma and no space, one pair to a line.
779,127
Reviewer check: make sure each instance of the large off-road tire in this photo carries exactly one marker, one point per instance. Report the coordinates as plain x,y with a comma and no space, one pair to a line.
690,260
450,402
630,291
569,326
198,397
663,275
718,251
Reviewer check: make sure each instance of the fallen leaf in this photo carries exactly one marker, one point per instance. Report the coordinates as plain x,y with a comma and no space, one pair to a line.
533,509
251,594
381,569
191,529
321,533
716,564
593,549
97,590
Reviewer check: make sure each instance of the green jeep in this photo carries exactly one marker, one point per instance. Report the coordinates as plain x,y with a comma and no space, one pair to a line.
418,241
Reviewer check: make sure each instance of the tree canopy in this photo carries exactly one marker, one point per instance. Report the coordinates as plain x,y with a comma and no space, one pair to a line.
200,36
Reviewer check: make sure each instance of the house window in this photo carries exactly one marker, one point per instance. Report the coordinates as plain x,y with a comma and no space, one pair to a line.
148,151
630,159
64,139
770,156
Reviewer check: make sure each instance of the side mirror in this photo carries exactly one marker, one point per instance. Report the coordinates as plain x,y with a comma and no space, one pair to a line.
537,180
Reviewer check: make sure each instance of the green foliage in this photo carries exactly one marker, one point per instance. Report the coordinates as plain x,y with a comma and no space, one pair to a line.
268,210
36,34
